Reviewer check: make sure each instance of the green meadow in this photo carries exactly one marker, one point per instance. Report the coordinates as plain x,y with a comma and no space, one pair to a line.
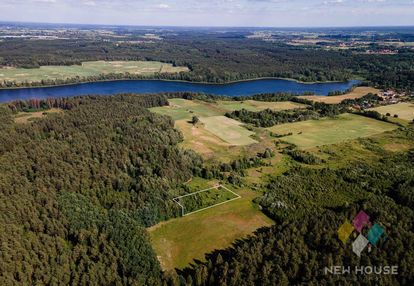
404,110
253,105
87,69
312,133
229,130
179,241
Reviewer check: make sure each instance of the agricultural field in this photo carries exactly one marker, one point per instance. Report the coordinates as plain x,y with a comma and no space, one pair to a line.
253,105
229,130
87,69
179,241
182,109
404,110
397,44
197,138
216,136
312,133
358,92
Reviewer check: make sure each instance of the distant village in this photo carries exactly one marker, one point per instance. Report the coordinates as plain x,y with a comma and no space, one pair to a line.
388,97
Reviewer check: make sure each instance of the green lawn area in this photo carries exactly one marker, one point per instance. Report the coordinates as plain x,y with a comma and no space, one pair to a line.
87,69
312,133
228,129
404,110
179,241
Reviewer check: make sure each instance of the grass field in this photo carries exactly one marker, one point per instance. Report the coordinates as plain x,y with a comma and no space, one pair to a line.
180,109
216,141
356,93
185,109
253,105
25,117
202,199
404,110
228,129
312,133
179,241
87,69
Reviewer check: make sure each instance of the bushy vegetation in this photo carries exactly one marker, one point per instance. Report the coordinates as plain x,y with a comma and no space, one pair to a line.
315,110
303,156
268,117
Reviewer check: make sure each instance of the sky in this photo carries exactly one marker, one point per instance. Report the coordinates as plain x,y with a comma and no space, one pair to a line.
252,13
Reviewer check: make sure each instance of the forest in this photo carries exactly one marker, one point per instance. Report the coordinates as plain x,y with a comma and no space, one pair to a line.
78,189
213,58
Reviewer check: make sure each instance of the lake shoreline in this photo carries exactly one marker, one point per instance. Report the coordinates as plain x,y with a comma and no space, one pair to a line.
179,81
156,86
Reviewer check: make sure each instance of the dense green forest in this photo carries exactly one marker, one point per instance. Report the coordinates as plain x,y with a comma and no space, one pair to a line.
213,58
77,190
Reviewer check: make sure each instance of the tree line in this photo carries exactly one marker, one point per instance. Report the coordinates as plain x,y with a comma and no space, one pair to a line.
216,59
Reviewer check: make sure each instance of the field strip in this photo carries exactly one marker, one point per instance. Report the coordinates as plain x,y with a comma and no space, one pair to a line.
202,191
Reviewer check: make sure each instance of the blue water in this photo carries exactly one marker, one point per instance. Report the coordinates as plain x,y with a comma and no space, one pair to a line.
156,86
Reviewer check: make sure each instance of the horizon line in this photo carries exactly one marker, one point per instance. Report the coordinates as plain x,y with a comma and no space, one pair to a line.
204,26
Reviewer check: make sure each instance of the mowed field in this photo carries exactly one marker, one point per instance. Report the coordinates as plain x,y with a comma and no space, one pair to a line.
218,136
87,69
253,105
179,241
229,130
312,133
404,110
356,93
182,109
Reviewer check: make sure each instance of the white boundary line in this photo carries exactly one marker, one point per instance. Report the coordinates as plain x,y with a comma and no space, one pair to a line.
202,191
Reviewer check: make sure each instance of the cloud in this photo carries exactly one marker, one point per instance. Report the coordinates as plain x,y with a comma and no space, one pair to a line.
89,3
45,1
162,6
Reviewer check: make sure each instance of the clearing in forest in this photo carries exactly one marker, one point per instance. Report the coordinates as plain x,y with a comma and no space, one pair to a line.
25,117
179,241
204,199
312,133
87,69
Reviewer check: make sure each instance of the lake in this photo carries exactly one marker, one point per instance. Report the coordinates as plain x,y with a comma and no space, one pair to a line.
157,86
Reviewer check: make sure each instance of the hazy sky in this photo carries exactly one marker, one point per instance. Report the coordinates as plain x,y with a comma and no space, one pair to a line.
213,12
